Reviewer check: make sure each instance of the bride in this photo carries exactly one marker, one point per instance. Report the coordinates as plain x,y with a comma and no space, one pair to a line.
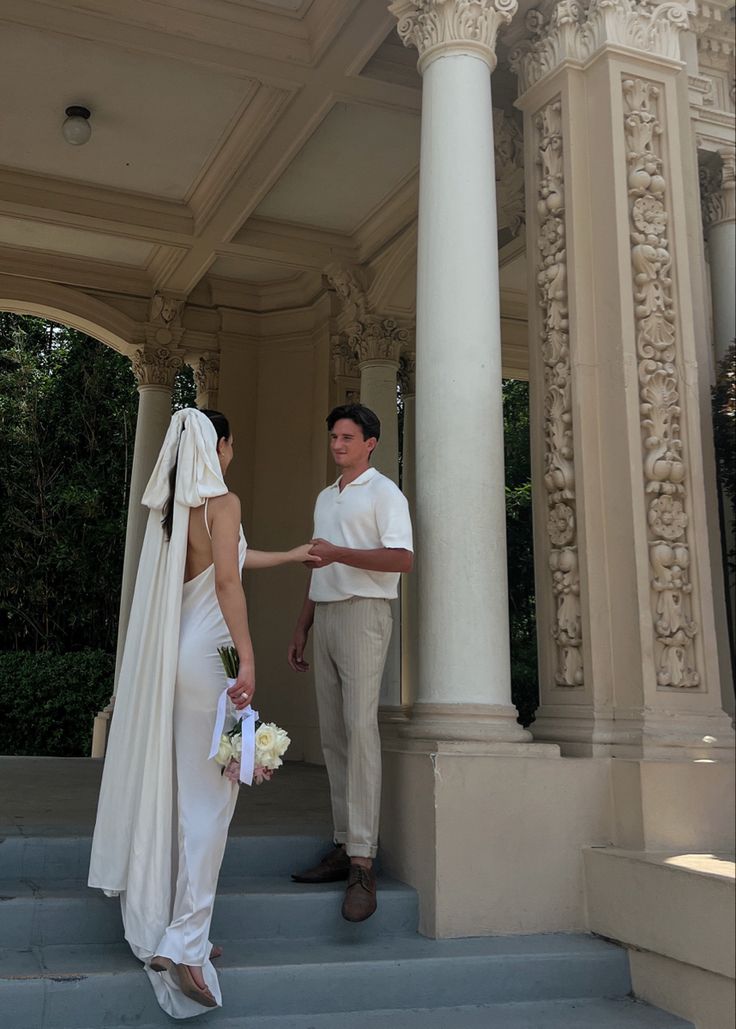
164,808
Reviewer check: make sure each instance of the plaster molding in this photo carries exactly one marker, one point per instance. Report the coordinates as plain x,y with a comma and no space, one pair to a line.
718,189
440,27
257,114
408,373
156,365
207,379
164,328
377,339
575,30
657,345
366,335
508,145
716,44
344,361
559,464
72,307
80,272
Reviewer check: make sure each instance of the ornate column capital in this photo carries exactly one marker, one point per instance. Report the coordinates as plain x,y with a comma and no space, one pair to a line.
718,189
575,31
408,373
207,379
376,339
366,335
439,27
156,365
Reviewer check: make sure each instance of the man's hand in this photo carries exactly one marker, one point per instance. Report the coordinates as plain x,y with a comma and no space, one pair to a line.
295,655
326,553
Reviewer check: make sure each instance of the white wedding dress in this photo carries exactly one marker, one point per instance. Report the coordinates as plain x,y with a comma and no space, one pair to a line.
164,808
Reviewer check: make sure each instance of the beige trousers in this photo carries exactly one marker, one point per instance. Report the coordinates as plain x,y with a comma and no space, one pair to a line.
351,640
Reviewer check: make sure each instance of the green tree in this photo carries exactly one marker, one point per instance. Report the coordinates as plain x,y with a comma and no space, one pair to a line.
520,549
67,426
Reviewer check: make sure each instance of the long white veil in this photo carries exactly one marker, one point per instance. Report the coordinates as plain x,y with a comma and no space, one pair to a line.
133,844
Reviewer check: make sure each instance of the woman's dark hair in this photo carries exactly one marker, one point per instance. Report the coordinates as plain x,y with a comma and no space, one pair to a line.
222,428
364,418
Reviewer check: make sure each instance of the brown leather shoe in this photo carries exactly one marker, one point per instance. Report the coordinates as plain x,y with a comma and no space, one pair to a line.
332,868
360,894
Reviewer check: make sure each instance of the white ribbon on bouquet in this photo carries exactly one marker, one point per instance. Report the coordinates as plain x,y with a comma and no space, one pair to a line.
247,717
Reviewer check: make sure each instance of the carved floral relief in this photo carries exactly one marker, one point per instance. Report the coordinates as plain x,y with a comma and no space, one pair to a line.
659,390
576,29
559,477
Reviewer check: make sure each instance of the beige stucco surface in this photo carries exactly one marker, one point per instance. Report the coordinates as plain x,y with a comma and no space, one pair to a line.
502,837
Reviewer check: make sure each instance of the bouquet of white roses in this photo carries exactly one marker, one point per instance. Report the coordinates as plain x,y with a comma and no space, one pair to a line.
252,757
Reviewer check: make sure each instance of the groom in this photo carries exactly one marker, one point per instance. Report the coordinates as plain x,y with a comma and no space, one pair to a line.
363,539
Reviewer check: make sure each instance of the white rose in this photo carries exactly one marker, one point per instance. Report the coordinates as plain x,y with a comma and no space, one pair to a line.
282,740
265,737
224,751
236,742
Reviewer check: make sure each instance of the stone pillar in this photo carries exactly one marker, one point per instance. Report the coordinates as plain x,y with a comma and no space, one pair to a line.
155,366
628,654
464,684
409,616
719,216
373,345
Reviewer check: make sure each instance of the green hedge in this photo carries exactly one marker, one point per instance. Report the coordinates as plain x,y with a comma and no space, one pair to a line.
48,701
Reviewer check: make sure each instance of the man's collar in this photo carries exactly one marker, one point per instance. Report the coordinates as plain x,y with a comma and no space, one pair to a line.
365,476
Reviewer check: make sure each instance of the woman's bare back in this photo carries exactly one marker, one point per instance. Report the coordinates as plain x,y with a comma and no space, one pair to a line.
199,543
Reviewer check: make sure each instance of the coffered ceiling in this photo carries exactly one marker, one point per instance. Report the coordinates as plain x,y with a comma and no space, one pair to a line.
246,140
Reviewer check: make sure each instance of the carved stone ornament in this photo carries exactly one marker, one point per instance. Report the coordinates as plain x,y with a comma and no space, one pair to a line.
508,143
657,351
344,359
156,366
559,478
718,188
377,339
207,377
367,336
348,283
437,27
164,327
408,373
577,29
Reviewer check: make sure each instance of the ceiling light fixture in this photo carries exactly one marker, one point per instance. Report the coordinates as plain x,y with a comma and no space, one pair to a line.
77,129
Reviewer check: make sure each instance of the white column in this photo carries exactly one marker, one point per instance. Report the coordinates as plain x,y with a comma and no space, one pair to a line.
464,686
720,218
154,415
155,369
378,382
378,392
409,655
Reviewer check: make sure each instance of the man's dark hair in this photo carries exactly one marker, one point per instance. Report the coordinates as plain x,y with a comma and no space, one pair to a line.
363,417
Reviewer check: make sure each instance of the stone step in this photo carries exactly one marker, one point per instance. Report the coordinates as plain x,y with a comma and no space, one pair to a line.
35,915
44,859
615,1013
77,987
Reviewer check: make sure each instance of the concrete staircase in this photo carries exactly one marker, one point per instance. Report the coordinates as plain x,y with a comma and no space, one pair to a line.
291,961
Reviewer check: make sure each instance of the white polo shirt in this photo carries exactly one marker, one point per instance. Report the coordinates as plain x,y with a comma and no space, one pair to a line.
370,512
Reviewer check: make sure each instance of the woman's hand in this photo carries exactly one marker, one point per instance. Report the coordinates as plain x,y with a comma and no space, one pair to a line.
243,689
303,556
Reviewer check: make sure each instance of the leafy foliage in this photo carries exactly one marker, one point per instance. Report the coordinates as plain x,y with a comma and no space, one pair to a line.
67,428
520,550
724,433
48,701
